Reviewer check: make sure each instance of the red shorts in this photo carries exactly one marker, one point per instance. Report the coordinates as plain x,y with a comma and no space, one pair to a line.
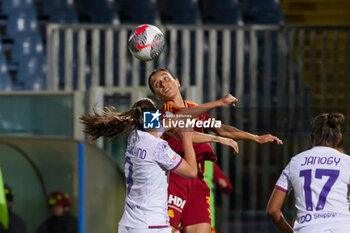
188,201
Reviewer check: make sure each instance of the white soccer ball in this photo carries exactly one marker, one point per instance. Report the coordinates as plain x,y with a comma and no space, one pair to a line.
146,42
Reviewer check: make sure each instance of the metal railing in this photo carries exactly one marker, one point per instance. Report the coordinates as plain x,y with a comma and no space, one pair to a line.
282,77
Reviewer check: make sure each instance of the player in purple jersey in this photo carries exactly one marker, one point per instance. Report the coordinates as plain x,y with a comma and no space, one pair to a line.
319,178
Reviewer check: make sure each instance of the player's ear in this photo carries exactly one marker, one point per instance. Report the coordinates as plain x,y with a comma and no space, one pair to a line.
340,138
312,139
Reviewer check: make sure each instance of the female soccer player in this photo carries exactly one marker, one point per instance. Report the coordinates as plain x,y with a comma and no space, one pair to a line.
319,177
194,214
147,160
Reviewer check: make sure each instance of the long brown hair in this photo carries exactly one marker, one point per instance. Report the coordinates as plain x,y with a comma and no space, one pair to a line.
326,128
112,124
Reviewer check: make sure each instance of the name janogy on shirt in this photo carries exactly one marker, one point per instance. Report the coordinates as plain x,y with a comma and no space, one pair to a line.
312,160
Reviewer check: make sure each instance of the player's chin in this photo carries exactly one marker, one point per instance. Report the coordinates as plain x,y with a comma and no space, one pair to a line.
167,96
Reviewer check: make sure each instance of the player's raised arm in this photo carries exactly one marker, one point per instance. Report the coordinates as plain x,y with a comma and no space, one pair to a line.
198,137
204,138
203,108
198,110
237,134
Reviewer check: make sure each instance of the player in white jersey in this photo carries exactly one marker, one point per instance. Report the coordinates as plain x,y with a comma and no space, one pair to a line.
319,178
148,159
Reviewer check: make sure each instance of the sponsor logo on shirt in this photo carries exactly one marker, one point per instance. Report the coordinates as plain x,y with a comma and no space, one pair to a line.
324,215
176,202
171,154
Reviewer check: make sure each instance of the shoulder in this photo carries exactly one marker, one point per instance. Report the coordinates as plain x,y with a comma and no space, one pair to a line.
301,155
161,144
346,157
190,103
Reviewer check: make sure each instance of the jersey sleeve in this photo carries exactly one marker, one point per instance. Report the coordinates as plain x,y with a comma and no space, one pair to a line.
218,174
283,183
160,132
166,157
205,116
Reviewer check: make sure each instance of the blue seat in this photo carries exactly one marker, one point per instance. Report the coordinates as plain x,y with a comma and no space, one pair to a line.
36,83
262,12
1,49
5,78
179,12
139,12
253,5
99,4
21,21
27,45
14,5
105,16
268,16
58,11
220,12
51,6
31,73
64,16
99,11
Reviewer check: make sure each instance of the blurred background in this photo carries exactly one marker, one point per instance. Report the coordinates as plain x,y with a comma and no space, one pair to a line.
286,61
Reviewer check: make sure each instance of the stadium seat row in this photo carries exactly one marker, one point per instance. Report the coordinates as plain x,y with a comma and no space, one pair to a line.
151,11
22,48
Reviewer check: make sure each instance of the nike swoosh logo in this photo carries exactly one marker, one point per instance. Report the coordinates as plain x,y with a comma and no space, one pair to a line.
140,47
141,29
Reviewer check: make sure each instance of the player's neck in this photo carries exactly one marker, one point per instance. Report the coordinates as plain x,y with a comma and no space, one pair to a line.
331,145
153,132
177,101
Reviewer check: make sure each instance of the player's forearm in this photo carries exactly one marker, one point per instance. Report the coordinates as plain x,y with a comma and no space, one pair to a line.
198,110
234,133
204,138
190,157
280,222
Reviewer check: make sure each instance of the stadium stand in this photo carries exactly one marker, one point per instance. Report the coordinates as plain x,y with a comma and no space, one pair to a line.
27,45
171,10
220,12
58,11
139,12
262,12
5,80
31,73
320,12
94,11
24,20
14,5
21,22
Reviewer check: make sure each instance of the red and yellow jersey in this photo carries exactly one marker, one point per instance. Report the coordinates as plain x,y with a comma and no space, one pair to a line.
203,150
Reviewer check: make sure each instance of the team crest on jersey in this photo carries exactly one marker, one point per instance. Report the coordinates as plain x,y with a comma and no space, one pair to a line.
171,154
171,213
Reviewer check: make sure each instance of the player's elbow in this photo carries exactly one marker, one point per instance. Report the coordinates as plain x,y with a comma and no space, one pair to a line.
192,175
273,213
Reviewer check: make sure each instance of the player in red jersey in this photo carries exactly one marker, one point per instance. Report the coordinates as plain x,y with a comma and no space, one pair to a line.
188,200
